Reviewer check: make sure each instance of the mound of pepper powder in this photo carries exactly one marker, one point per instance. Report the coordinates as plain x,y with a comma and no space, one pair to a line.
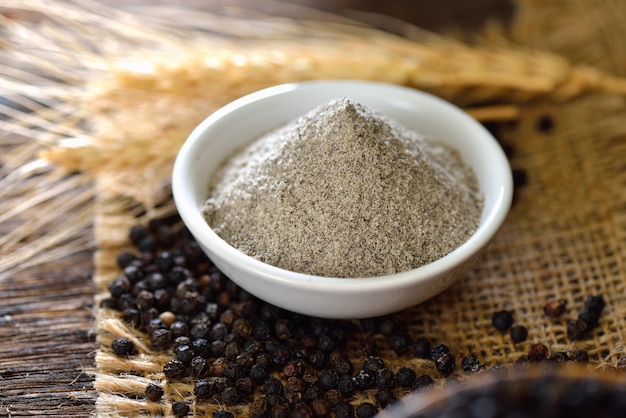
344,191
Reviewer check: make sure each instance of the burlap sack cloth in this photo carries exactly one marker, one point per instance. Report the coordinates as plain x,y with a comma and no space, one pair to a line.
565,236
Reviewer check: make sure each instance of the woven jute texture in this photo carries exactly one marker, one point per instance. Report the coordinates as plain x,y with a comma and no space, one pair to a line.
589,32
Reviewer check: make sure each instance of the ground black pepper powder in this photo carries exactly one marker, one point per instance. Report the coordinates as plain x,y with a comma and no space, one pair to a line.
375,165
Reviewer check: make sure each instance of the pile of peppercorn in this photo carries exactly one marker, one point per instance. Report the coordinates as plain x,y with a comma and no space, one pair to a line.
238,350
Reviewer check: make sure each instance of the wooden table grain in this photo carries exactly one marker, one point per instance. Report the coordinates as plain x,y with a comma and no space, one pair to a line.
47,345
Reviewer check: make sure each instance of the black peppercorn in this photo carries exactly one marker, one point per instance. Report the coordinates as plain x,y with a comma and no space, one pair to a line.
161,338
384,379
421,347
133,273
154,392
295,385
259,373
246,360
445,363
373,364
301,410
148,244
220,383
132,316
364,380
344,367
184,353
422,382
344,410
180,408
232,350
578,356
439,350
174,370
320,408
119,286
242,327
258,408
595,303
554,308
558,357
369,325
405,377
177,275
201,347
400,342
179,329
123,347
137,233
263,359
273,386
502,320
387,326
326,343
577,329
203,389
384,397
218,366
234,371
545,124
125,259
328,379
366,410
333,397
521,363
369,346
217,348
471,364
155,323
222,413
282,329
261,331
199,367
281,355
280,410
181,341
347,385
538,352
244,385
126,301
294,368
337,357
230,396
317,359
519,333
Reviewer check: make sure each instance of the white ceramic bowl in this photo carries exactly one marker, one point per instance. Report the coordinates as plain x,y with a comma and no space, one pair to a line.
245,119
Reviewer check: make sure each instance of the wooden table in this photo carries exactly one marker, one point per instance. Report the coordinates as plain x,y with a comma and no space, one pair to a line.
46,312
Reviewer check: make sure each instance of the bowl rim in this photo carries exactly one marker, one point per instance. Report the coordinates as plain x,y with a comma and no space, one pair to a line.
202,232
